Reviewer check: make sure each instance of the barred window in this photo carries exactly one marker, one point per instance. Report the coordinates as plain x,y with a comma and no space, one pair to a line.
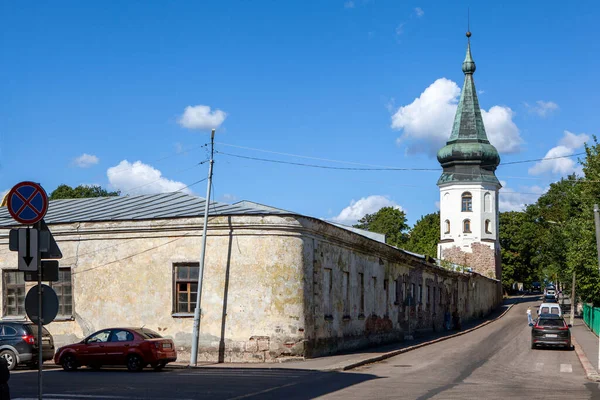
185,287
14,293
63,288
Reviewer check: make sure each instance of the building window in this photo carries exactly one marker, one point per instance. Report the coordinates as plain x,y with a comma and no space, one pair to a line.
14,293
420,294
428,295
327,286
447,226
487,226
361,283
467,226
185,287
346,292
398,291
467,202
374,309
487,202
63,288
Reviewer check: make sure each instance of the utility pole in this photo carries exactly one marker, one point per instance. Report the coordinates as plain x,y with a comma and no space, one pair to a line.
572,300
597,222
198,310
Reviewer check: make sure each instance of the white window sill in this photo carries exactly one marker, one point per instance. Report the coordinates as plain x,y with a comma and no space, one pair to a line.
182,315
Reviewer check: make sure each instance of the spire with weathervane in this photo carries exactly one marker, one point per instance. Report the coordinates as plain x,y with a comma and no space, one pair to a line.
468,155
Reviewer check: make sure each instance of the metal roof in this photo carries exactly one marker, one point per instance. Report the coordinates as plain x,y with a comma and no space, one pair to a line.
139,207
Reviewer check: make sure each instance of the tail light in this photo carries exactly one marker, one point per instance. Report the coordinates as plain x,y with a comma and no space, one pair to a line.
564,328
29,339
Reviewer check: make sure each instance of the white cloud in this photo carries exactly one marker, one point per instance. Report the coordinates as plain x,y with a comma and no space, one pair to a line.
542,108
480,91
419,11
400,29
140,178
349,4
201,117
517,200
561,166
367,205
229,198
85,160
426,123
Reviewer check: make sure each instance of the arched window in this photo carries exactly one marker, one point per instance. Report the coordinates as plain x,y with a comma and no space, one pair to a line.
488,227
467,226
447,225
467,202
487,202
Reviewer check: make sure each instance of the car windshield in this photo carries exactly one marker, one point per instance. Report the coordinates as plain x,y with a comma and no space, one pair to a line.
148,334
555,323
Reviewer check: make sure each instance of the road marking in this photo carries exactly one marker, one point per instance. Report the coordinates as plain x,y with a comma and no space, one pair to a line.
262,391
566,368
539,366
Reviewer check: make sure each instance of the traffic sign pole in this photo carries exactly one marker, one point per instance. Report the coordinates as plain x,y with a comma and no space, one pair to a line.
38,225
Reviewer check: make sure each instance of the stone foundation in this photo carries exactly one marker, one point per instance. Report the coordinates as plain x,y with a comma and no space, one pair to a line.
482,259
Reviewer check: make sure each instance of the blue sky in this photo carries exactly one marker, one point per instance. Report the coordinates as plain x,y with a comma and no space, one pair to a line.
97,92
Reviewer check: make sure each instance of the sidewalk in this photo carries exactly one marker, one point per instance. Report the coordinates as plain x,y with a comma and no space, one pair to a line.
344,362
586,345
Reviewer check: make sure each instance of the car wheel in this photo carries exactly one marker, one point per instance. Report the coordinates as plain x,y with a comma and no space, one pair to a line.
10,358
134,363
160,366
69,363
533,346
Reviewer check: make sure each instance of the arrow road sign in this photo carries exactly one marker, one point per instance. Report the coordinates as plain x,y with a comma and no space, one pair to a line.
29,258
49,250
27,202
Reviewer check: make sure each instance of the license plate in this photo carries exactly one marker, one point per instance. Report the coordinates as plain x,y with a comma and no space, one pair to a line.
166,345
551,335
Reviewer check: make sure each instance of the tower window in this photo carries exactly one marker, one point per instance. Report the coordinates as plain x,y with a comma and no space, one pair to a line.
467,226
467,202
487,202
488,226
447,225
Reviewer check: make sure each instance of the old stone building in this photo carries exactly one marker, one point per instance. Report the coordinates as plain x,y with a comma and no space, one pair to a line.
276,284
469,187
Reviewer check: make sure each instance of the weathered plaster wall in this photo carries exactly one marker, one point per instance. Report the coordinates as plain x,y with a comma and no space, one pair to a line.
344,314
273,285
252,299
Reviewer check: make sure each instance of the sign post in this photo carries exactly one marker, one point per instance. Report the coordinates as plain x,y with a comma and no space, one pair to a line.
27,203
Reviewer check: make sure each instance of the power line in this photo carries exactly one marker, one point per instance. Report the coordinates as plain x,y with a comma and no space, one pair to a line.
327,166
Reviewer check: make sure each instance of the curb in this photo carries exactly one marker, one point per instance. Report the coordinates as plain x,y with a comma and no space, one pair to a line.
590,371
418,346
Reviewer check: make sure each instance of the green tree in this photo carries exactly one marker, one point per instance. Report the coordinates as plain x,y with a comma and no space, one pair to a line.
389,221
80,192
425,235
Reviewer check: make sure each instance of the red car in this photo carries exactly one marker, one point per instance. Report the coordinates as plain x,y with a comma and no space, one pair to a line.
132,347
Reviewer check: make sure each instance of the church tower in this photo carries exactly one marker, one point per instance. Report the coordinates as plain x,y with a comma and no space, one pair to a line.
469,187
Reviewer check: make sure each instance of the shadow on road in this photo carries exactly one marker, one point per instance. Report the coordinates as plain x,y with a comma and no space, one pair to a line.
201,383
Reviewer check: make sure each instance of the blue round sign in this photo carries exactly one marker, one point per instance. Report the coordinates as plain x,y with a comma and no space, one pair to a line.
27,202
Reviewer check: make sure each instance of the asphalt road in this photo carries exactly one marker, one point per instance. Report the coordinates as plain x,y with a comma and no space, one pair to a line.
494,362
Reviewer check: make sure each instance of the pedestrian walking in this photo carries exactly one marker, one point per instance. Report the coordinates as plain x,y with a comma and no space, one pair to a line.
529,318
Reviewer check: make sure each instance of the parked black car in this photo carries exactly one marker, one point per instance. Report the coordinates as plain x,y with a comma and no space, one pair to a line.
536,287
551,330
19,343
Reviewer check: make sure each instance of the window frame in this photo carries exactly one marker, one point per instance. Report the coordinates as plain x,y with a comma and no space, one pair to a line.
189,281
59,285
447,226
14,286
488,224
466,207
467,223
